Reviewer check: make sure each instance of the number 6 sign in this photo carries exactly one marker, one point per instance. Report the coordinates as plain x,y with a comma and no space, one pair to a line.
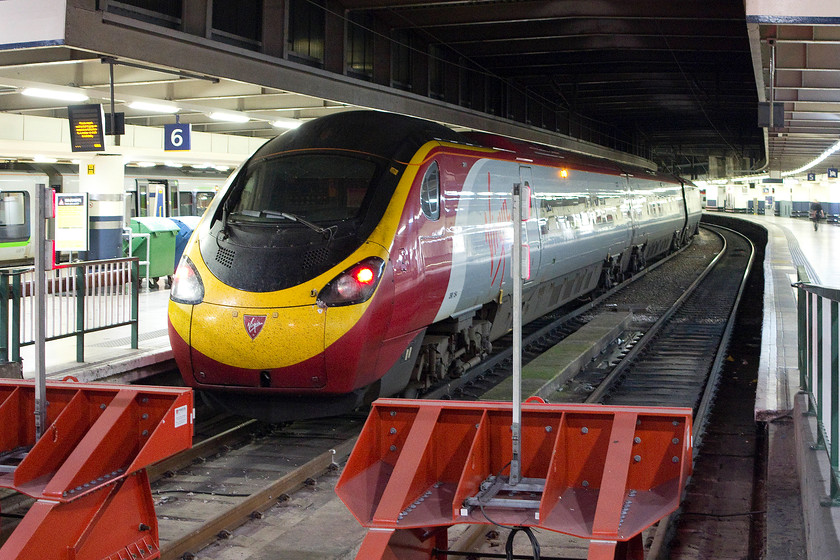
176,137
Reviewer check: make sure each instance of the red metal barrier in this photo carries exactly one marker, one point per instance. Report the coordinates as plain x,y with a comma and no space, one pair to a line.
597,472
87,472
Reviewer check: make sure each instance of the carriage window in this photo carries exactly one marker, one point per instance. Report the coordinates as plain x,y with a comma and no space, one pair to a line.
14,211
430,192
202,202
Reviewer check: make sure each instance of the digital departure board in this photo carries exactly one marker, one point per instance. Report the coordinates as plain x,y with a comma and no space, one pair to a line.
87,131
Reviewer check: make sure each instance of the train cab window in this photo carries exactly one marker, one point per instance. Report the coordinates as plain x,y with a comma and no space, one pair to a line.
320,188
14,214
430,192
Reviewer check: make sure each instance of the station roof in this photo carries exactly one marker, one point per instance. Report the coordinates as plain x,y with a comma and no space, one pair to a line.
677,83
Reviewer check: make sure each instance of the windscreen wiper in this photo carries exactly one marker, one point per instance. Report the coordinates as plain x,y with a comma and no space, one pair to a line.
327,232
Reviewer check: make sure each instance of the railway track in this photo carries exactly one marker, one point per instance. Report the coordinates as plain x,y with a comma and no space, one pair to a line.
251,469
182,498
677,362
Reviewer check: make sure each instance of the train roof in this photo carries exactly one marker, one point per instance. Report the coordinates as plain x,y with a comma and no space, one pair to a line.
551,156
392,136
398,137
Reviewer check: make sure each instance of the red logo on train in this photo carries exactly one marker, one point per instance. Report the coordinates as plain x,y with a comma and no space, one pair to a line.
254,324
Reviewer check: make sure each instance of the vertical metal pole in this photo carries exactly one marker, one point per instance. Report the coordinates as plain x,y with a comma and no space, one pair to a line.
135,302
772,81
834,429
39,237
4,318
17,294
802,315
81,289
516,257
113,114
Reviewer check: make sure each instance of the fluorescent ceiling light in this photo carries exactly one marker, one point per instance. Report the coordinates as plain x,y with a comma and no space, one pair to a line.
153,107
60,95
229,117
172,164
44,159
822,157
145,163
286,123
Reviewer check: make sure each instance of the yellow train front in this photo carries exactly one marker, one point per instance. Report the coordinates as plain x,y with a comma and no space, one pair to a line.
282,306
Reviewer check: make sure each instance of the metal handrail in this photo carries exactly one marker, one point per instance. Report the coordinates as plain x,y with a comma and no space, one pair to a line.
82,297
819,368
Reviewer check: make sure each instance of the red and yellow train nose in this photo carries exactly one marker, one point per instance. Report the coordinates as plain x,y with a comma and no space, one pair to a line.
289,340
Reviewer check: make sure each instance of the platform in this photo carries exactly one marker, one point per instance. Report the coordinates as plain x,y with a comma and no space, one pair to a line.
792,243
108,353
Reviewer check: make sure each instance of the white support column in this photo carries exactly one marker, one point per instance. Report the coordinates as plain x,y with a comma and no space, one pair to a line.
102,177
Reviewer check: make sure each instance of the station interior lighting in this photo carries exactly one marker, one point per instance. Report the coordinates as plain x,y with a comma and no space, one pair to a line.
153,107
817,161
286,123
229,117
59,95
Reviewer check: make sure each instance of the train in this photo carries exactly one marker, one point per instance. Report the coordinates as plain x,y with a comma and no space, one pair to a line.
147,192
367,254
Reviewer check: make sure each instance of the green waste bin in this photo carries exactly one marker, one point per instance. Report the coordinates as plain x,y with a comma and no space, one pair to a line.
162,233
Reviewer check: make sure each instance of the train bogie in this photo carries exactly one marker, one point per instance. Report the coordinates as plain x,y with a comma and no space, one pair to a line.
367,254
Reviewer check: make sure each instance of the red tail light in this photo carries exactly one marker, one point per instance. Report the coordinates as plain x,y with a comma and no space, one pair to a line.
354,285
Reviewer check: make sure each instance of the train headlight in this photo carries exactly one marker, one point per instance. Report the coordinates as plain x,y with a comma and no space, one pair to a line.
354,285
187,286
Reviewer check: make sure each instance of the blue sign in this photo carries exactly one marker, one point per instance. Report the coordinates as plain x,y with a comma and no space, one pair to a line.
812,176
832,172
176,137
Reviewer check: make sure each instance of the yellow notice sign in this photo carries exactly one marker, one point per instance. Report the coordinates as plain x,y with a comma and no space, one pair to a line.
91,169
71,221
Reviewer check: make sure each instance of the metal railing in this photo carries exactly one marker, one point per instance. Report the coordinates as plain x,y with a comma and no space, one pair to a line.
81,298
819,374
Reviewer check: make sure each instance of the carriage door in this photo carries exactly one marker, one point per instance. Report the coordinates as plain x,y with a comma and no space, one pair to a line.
531,235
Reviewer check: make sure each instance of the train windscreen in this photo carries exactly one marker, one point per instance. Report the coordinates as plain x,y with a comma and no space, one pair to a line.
319,188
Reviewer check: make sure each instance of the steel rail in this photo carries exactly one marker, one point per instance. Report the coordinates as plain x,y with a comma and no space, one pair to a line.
653,331
241,512
447,388
658,547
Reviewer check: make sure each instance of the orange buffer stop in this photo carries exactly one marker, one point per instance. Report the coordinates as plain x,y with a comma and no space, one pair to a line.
87,472
603,473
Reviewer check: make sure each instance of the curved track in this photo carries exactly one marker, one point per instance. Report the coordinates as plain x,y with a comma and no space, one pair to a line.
677,362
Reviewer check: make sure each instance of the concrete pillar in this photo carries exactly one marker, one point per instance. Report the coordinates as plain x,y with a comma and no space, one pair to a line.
102,176
334,38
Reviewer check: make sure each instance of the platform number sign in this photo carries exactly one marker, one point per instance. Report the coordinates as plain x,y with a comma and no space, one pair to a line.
832,172
812,176
176,137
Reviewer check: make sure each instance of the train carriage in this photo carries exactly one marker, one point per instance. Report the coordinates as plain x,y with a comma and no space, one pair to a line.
367,254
